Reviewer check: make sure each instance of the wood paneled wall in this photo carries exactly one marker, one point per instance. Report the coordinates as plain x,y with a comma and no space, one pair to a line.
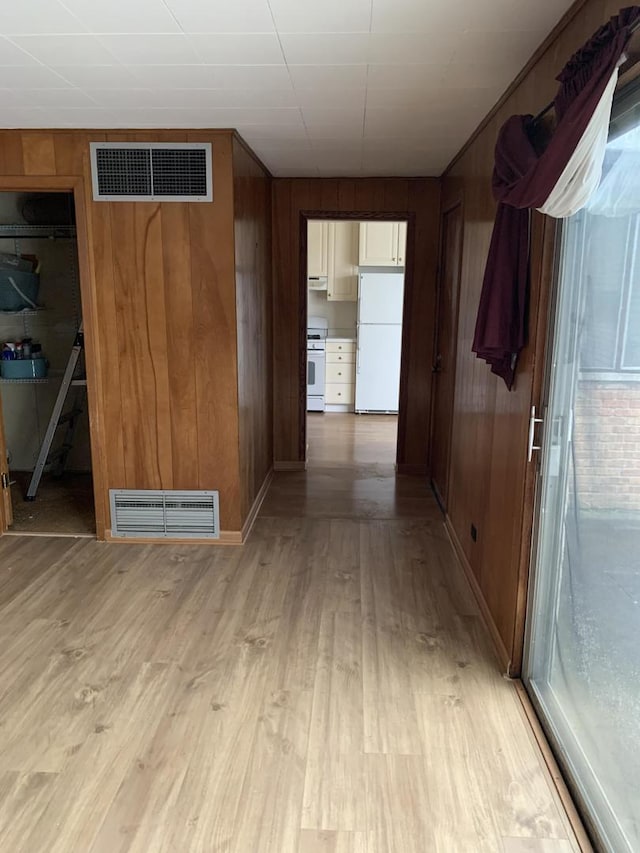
159,300
490,481
252,216
419,200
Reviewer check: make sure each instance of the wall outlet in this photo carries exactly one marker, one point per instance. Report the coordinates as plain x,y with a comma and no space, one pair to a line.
474,533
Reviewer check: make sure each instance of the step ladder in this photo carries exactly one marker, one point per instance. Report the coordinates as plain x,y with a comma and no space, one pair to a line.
58,458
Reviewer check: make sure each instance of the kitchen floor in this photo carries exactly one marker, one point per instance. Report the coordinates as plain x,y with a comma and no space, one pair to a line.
327,688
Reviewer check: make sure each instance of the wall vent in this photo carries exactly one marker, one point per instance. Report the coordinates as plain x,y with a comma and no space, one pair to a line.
165,514
151,171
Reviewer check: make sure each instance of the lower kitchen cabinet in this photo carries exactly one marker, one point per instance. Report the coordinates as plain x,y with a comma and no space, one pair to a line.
340,375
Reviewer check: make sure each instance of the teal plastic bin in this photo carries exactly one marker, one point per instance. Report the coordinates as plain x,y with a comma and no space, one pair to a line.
24,368
18,290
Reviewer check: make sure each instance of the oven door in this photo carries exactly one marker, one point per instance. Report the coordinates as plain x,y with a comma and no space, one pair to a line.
315,380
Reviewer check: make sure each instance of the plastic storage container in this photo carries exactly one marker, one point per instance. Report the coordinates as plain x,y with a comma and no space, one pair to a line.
18,290
24,368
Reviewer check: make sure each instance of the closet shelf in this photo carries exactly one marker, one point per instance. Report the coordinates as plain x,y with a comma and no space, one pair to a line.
25,232
41,381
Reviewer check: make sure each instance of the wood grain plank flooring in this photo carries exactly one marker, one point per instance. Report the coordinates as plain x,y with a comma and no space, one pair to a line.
327,688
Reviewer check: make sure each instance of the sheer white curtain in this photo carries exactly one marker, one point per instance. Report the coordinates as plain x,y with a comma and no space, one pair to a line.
583,172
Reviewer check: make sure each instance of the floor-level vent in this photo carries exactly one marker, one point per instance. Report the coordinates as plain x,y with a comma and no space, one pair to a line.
151,171
165,514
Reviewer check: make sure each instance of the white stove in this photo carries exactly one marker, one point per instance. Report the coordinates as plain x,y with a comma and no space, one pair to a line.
316,356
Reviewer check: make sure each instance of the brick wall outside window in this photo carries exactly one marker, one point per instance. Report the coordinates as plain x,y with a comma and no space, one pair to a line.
607,445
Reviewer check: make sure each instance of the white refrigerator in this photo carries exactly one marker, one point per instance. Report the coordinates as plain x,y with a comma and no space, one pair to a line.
379,345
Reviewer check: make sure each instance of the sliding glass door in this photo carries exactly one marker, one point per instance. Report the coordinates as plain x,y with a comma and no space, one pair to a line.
582,668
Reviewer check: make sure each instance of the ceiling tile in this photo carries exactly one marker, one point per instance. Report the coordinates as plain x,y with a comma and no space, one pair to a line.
327,16
123,16
12,55
97,76
437,16
84,117
238,48
416,77
496,48
239,16
257,77
256,134
329,146
27,117
128,98
411,48
37,16
237,99
58,98
151,50
328,76
283,172
73,49
347,119
325,48
331,98
462,76
31,77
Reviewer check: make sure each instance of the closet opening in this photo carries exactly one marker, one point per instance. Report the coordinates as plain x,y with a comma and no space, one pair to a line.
44,424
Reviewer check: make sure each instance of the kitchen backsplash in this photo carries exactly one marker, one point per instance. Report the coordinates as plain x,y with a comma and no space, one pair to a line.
340,316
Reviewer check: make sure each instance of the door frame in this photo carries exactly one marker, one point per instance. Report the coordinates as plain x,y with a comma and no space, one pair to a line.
544,253
453,203
358,216
77,186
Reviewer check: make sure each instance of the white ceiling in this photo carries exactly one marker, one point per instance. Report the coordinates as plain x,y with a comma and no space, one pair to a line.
329,87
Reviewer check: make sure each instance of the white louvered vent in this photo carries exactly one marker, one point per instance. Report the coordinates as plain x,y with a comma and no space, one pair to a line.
151,171
165,514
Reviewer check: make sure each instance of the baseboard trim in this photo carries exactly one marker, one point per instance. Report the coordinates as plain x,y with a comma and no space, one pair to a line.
255,508
500,648
557,780
290,466
414,470
50,535
227,537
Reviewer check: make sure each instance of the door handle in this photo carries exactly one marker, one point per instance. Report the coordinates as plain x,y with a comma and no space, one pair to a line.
437,367
5,480
533,420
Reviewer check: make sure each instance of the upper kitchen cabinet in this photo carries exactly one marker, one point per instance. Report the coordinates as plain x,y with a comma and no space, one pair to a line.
382,244
342,283
318,248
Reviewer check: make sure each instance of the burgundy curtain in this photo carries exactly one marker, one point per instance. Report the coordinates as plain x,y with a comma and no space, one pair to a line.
524,177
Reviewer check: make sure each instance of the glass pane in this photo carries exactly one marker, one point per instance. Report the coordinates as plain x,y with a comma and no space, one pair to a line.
311,372
583,657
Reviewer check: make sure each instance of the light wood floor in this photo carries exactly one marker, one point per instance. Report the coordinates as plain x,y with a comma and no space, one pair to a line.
327,688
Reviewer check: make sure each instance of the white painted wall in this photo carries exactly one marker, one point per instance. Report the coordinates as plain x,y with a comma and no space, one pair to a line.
341,316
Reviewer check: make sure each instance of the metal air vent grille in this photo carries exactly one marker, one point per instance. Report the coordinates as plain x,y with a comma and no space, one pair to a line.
123,171
165,514
180,172
151,171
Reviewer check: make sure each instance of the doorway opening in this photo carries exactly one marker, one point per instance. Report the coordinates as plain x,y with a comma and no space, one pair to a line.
50,485
355,308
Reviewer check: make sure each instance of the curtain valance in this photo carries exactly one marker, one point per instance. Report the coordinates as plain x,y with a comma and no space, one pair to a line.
558,180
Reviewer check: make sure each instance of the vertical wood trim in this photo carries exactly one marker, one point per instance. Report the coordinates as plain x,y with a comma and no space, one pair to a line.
93,361
6,508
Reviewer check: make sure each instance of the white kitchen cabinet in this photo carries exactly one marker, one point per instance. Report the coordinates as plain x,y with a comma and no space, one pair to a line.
382,244
317,248
342,285
340,375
